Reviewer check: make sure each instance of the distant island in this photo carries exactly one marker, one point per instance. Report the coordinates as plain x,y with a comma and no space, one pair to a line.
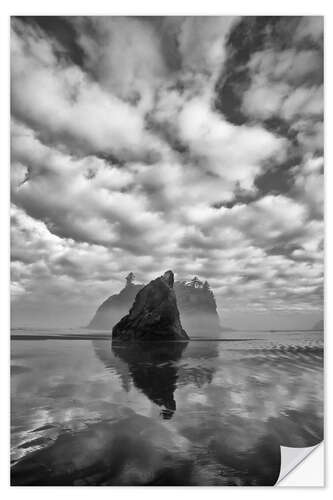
195,300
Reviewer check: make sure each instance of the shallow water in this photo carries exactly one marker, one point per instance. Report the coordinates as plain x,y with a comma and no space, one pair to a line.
199,413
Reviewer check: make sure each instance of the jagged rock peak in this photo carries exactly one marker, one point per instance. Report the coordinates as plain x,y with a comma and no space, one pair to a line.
154,314
169,278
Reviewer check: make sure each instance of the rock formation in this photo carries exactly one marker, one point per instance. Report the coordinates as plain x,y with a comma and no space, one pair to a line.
154,314
197,308
195,300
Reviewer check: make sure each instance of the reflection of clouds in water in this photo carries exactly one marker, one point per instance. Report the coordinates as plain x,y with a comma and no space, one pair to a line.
131,450
253,387
68,387
258,406
234,409
113,364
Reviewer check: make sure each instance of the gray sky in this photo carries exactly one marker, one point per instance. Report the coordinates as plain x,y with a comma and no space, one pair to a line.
146,144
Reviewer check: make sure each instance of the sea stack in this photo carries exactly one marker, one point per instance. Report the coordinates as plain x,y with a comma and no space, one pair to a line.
154,314
195,301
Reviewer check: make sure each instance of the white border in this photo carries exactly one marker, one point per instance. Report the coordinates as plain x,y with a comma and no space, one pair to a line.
143,7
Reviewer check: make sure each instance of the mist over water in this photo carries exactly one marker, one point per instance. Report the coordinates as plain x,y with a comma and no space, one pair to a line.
203,412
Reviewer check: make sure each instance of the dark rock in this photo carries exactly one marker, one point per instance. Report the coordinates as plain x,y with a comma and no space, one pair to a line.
195,300
153,369
154,314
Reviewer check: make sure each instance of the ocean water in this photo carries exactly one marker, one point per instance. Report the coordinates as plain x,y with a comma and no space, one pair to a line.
206,412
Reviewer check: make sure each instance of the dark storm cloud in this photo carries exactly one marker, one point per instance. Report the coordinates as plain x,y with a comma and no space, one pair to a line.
192,143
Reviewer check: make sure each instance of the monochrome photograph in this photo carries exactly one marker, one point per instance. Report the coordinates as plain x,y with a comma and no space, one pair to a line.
167,248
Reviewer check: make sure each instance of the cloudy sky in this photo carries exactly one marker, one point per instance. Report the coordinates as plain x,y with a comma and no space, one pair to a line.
190,143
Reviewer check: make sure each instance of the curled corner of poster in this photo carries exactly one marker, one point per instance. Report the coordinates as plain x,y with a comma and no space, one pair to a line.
302,466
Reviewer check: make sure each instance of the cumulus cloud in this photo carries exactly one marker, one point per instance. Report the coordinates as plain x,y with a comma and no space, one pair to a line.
124,55
278,85
303,102
67,107
310,27
309,185
202,42
122,161
235,153
286,84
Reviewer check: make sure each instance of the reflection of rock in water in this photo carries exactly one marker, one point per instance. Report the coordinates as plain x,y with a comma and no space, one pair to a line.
126,360
104,353
153,369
